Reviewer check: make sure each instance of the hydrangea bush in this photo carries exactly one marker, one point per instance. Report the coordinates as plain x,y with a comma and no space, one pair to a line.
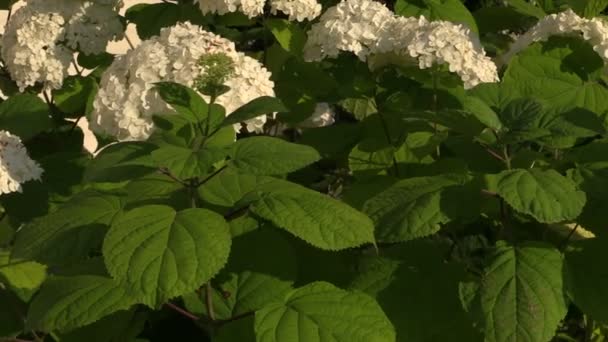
304,171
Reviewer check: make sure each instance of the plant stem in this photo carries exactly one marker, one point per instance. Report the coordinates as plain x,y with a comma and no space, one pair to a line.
390,142
507,158
209,301
182,312
208,178
234,318
564,243
167,173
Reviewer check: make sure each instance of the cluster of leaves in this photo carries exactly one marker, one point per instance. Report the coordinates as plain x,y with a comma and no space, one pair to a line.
426,213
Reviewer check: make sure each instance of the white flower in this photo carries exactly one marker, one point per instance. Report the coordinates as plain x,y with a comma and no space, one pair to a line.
321,117
251,8
126,100
595,31
352,25
368,29
42,36
16,167
299,10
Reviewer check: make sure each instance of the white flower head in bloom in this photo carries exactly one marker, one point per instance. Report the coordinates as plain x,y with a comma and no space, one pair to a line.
321,117
352,25
299,10
42,35
595,31
251,8
126,100
16,167
443,42
367,28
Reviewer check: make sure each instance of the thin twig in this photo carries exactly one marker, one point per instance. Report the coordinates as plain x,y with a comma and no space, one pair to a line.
182,312
129,42
564,243
8,17
488,193
78,71
166,172
208,178
209,301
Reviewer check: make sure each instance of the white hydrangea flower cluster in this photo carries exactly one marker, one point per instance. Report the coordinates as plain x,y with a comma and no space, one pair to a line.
42,35
126,100
367,28
595,31
297,10
16,167
323,116
251,8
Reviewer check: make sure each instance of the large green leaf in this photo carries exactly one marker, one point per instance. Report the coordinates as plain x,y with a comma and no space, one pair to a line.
271,156
73,96
254,275
256,107
70,233
587,279
184,100
20,274
321,312
65,303
121,326
289,35
120,161
228,187
159,253
24,115
545,195
564,72
185,163
409,280
415,207
449,10
315,218
521,295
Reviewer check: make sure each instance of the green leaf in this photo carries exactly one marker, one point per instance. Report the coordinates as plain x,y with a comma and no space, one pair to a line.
414,207
588,8
160,254
587,279
271,156
315,218
185,163
68,234
253,276
564,72
240,330
254,108
156,189
228,187
66,303
483,112
545,195
24,115
359,107
121,326
184,100
322,312
73,96
408,281
289,35
21,274
521,295
526,8
449,10
120,161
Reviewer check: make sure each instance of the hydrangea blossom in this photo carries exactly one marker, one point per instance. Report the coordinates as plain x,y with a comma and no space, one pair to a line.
126,100
595,31
299,10
16,167
367,28
321,117
42,36
251,8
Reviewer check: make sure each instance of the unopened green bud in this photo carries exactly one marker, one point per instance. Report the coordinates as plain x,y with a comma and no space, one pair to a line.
216,69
